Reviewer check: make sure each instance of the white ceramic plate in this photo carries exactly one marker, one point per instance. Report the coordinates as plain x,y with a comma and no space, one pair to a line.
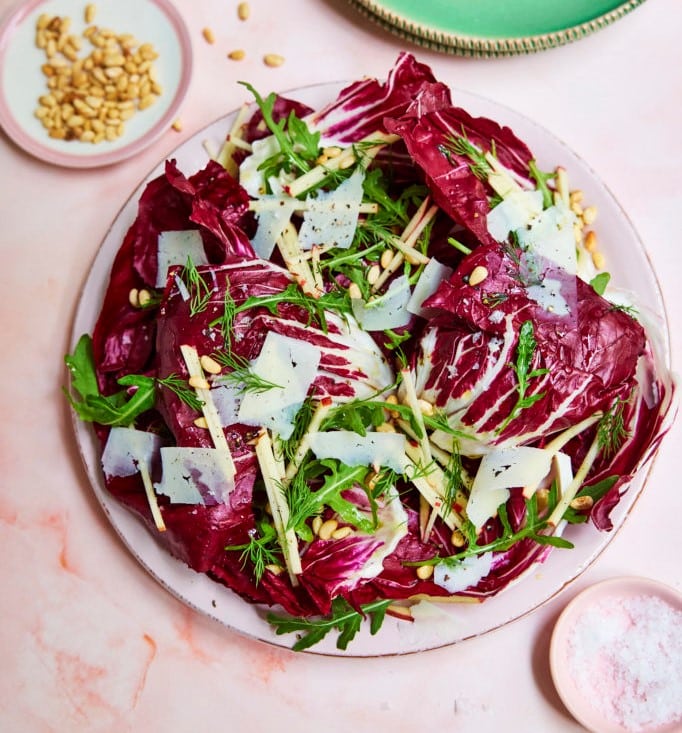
22,81
609,592
451,622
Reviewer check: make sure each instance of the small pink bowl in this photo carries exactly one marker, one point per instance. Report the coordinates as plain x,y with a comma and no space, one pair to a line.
615,589
22,82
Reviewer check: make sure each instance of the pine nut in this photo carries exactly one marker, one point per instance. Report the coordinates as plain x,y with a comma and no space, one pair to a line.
598,259
207,33
327,528
457,539
347,163
237,55
133,298
89,13
424,572
478,275
341,533
243,11
354,291
177,125
333,151
210,365
385,427
373,274
542,499
273,59
576,196
144,297
582,503
274,569
316,524
199,383
200,422
386,258
589,215
590,241
425,407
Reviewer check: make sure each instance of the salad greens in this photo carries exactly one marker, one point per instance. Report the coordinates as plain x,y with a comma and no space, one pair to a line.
333,394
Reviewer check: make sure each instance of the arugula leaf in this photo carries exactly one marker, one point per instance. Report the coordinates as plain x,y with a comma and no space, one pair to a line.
304,503
596,491
343,618
541,179
120,409
525,351
298,145
599,282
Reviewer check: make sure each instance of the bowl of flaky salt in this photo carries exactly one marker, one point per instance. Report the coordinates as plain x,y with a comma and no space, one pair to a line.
616,657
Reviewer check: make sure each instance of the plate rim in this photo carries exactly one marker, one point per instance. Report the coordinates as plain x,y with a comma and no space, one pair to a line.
83,432
16,132
481,46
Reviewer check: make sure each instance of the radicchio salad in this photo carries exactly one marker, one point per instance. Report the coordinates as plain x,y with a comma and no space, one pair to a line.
366,356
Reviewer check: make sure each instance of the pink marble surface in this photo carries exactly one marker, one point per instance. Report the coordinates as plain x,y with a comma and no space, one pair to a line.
88,641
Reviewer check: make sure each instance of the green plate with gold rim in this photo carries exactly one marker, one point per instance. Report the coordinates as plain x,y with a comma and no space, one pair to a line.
493,27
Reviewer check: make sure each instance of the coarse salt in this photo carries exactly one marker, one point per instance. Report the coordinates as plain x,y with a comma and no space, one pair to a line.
625,657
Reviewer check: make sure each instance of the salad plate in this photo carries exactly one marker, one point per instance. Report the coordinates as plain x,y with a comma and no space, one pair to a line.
490,28
431,624
24,84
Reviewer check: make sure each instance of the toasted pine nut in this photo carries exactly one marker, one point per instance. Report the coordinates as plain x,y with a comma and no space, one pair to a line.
385,427
199,383
327,528
177,125
89,14
200,422
243,11
333,151
144,297
590,241
425,407
133,298
275,569
237,55
273,59
582,503
424,572
207,33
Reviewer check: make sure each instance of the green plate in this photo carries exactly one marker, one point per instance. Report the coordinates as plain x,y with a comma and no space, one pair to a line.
493,27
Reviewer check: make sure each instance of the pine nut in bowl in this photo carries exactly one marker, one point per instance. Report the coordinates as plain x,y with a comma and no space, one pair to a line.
616,657
83,85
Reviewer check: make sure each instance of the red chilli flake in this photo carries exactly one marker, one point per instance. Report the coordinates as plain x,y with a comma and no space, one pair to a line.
625,657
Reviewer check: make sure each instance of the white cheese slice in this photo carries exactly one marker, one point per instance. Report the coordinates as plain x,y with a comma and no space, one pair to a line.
457,576
271,224
190,474
250,177
388,310
516,211
126,449
372,449
332,216
432,276
551,237
501,470
548,296
227,399
291,365
174,247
